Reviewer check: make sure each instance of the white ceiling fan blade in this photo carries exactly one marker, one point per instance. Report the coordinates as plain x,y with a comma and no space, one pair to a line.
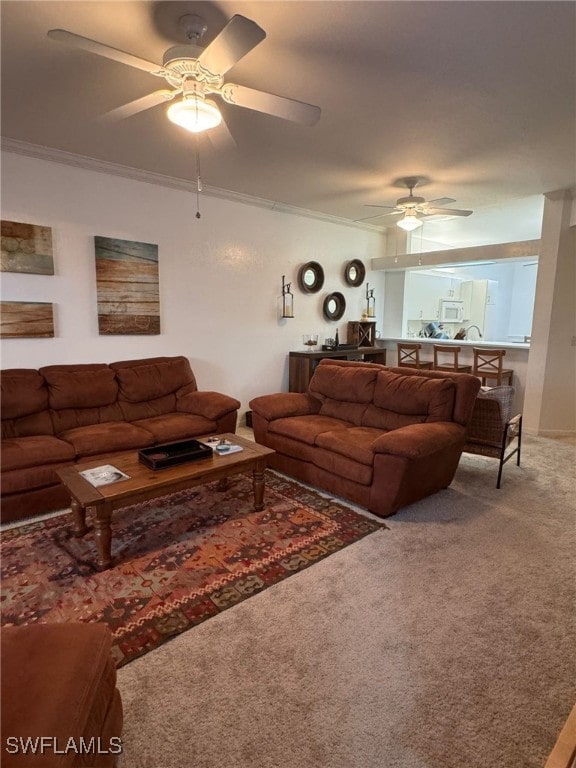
69,38
138,105
391,208
237,38
279,106
447,212
377,216
440,201
221,137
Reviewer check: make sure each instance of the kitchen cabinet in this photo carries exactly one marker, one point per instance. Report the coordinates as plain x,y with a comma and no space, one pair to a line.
479,297
422,296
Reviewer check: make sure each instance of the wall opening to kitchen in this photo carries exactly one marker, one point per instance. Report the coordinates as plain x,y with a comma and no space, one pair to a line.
492,301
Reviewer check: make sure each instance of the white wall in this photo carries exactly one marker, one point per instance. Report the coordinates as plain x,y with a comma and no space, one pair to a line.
220,276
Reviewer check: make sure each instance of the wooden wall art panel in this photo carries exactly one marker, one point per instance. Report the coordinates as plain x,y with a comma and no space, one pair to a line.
26,319
26,248
127,286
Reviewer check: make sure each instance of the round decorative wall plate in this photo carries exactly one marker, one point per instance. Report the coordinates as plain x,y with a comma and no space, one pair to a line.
334,306
354,273
310,277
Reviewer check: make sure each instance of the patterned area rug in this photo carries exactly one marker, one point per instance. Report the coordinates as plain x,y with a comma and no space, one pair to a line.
178,560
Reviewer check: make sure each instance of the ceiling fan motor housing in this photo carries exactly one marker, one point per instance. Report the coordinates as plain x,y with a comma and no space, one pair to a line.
411,200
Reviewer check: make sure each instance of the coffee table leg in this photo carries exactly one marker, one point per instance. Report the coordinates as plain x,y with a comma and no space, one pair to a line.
103,534
79,515
258,485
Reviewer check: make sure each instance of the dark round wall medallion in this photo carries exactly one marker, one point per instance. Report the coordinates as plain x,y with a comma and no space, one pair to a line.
354,273
311,277
334,306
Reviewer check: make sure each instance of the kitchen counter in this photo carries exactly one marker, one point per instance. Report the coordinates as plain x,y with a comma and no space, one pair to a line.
457,342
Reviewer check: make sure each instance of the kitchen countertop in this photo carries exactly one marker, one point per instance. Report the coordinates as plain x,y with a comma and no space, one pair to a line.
458,342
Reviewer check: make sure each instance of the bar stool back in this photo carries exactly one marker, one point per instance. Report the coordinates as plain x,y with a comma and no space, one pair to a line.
446,359
488,364
409,356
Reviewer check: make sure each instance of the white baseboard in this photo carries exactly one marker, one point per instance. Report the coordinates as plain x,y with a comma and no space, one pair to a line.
553,433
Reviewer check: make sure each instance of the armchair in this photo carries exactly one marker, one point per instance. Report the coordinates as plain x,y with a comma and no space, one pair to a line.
493,429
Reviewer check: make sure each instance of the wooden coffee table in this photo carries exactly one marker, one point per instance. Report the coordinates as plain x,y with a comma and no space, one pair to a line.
144,484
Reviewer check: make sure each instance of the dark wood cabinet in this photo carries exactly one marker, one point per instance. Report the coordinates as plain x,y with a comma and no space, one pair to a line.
303,364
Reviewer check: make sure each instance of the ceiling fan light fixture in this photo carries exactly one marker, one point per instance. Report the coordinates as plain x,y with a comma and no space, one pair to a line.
409,222
195,114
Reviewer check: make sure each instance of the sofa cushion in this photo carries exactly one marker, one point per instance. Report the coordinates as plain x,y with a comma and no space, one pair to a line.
287,446
147,409
107,438
176,426
352,385
342,466
354,443
22,452
400,400
306,428
24,392
31,478
343,410
24,404
141,380
80,386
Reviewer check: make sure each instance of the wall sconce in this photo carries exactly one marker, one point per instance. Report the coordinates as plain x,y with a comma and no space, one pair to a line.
370,301
287,299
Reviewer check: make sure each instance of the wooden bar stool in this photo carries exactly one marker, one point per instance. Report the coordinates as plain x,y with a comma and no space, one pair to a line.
443,351
488,364
409,356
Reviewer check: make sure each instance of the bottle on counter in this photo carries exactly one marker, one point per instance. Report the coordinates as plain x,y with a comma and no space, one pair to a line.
336,340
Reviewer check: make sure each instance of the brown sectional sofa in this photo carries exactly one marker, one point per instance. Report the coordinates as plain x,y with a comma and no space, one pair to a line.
380,437
62,414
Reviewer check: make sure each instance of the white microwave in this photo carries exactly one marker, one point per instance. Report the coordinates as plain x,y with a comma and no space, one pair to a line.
451,311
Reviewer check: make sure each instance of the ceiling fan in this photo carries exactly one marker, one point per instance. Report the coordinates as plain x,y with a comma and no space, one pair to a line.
194,72
415,209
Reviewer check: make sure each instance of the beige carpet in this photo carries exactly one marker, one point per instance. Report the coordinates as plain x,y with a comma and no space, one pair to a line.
444,642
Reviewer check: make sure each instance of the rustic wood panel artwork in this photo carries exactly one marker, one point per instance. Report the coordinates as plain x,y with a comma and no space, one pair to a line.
128,287
26,248
26,319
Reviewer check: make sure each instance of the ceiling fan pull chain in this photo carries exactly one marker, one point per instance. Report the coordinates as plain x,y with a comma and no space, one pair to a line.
198,183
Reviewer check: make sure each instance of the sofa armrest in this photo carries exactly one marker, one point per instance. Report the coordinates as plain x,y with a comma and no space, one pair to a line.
212,405
418,440
284,404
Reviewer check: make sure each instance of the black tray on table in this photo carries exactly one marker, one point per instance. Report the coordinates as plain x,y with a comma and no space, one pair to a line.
173,454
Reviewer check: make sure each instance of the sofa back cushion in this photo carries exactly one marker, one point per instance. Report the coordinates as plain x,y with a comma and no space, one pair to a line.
345,391
24,403
81,395
466,388
148,387
400,400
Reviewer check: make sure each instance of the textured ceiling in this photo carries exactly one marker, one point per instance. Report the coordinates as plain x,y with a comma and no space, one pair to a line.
478,97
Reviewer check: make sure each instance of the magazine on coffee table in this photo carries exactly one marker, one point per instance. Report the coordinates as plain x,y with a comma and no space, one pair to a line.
104,475
221,447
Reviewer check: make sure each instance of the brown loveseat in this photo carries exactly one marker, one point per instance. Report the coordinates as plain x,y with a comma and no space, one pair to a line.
380,437
62,414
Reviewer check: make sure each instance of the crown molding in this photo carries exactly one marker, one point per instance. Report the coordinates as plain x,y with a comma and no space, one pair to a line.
135,174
